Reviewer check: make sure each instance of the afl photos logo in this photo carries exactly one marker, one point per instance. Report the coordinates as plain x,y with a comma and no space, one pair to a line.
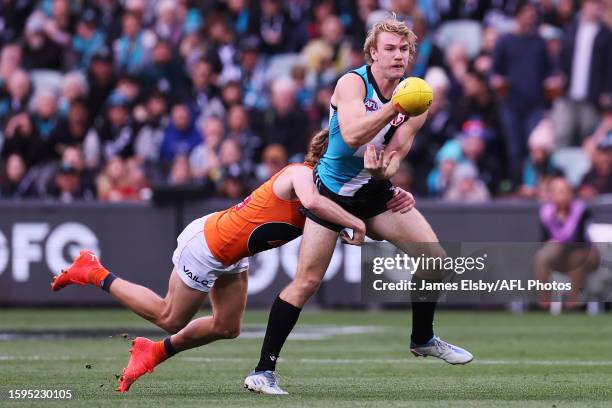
371,105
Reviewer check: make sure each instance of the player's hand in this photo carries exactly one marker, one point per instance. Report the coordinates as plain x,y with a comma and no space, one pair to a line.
402,201
356,239
383,166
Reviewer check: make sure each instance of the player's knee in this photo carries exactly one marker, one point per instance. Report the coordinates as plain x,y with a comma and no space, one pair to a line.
171,324
226,330
308,286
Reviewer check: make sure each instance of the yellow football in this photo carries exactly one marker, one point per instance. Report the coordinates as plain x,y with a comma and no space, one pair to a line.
413,96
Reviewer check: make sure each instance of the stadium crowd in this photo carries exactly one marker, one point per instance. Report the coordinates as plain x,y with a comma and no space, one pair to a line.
106,99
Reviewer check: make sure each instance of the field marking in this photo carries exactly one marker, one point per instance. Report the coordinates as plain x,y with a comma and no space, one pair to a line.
333,361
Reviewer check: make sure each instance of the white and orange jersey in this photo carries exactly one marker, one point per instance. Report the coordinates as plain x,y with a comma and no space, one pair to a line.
262,221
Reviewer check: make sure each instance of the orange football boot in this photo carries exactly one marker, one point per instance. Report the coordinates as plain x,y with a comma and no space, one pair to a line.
145,355
85,270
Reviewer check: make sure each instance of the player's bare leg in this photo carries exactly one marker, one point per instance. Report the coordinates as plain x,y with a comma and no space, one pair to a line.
170,313
228,298
410,232
316,250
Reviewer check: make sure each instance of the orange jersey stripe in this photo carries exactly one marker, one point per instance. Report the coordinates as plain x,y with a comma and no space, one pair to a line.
261,222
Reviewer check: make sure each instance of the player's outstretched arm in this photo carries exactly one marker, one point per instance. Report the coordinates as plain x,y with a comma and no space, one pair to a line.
305,190
356,127
401,142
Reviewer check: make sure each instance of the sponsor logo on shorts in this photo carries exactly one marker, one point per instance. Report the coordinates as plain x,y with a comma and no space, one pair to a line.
371,105
195,278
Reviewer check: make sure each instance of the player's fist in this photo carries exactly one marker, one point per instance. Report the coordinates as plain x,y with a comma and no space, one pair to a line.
412,96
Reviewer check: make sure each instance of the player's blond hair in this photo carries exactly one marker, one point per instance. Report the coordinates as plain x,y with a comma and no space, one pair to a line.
317,147
389,25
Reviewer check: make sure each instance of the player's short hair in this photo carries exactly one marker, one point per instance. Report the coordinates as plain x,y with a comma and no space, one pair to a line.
317,147
389,25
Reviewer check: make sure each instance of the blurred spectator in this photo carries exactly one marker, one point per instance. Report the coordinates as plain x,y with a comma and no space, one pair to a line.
88,38
180,136
473,138
133,48
205,95
180,171
45,117
521,65
164,67
586,63
465,186
168,25
483,63
328,55
72,182
439,179
112,135
252,73
234,185
21,138
40,51
238,129
539,166
304,94
477,100
121,180
274,158
72,130
272,27
130,87
284,122
240,15
231,94
204,158
428,53
101,79
18,94
599,179
404,176
13,183
153,122
13,15
230,158
457,61
563,221
74,86
10,61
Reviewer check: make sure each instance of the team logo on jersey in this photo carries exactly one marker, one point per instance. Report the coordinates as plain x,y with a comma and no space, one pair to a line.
371,105
399,119
244,202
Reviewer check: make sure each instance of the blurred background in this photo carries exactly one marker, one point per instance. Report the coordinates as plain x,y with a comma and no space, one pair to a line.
120,121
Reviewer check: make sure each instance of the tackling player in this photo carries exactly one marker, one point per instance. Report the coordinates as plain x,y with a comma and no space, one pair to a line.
212,258
362,118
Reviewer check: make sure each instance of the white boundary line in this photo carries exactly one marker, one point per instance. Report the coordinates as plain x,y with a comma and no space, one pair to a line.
334,361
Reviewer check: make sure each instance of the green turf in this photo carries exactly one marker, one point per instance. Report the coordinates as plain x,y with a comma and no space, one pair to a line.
529,360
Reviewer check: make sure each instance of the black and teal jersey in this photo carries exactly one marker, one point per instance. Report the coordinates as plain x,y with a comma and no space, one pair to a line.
341,167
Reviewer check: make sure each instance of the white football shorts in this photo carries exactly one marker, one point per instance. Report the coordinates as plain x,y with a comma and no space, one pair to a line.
195,264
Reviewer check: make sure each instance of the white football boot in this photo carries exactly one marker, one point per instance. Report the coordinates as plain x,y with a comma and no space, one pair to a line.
437,347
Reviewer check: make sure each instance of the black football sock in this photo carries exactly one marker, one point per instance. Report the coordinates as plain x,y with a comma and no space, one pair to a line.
170,351
423,310
107,282
283,317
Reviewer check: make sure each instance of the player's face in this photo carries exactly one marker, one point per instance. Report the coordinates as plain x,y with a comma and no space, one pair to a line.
391,54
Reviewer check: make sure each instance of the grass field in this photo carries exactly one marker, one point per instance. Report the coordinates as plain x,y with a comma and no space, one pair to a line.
340,359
